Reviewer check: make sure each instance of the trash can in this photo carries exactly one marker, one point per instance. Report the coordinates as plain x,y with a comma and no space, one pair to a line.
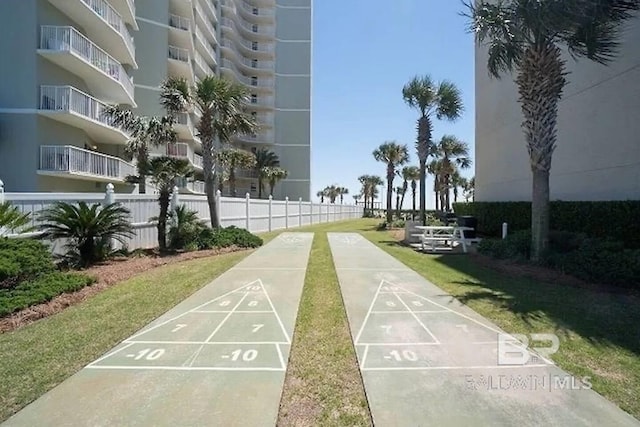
468,221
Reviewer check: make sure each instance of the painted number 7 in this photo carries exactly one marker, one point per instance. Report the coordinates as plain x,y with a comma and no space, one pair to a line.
387,328
256,328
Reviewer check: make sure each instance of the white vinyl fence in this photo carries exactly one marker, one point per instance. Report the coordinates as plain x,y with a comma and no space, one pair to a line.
252,214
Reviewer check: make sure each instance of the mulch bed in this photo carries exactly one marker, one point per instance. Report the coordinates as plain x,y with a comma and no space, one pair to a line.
107,274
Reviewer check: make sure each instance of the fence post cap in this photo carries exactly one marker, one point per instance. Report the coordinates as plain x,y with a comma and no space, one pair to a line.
175,189
110,188
270,197
1,184
299,199
247,195
218,193
286,199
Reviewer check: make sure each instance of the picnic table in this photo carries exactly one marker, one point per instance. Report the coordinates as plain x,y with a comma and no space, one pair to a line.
446,236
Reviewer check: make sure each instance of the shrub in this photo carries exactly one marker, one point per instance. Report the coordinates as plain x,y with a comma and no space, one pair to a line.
184,227
516,246
39,290
12,219
225,237
617,220
23,259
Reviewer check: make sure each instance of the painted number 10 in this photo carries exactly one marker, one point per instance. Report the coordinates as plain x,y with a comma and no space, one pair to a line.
246,356
149,354
399,356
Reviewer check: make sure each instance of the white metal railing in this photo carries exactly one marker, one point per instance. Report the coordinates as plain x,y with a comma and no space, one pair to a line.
248,81
207,22
71,40
114,19
261,100
261,29
196,186
265,119
199,59
263,138
262,47
246,173
179,22
257,11
68,98
184,119
184,151
212,10
68,158
179,54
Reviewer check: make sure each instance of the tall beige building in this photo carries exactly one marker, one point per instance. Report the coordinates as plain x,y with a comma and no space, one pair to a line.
598,151
85,54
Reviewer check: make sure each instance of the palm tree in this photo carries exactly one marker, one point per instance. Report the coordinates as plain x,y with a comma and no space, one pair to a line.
393,155
457,182
342,191
469,189
321,194
264,159
231,159
273,175
442,100
332,192
164,172
399,193
454,155
411,173
436,168
220,103
527,37
88,230
12,219
144,132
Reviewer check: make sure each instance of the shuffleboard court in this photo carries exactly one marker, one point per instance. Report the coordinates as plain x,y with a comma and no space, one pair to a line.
217,358
427,359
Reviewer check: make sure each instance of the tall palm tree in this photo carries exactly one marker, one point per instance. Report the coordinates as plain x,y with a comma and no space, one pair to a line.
399,194
342,191
393,155
220,103
264,159
273,175
527,37
164,172
144,133
369,191
411,173
457,182
436,168
453,154
442,100
321,194
231,159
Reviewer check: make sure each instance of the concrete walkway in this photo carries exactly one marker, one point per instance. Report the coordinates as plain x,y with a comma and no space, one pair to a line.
218,358
427,360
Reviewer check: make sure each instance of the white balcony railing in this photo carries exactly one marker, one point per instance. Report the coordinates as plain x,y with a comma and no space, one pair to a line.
206,21
113,18
184,151
250,82
263,138
179,22
249,9
74,160
266,101
70,99
196,187
211,9
258,29
71,40
260,47
202,63
179,54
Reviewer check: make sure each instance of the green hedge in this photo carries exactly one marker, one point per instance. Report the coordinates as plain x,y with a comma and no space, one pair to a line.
23,259
39,290
618,220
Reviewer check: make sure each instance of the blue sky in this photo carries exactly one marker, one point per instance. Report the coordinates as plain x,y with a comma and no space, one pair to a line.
364,53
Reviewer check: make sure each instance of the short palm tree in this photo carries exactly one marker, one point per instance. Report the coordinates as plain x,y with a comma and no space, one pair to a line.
440,100
164,173
454,155
342,191
264,159
436,168
399,194
145,132
231,159
220,103
88,230
370,185
457,182
411,173
11,219
527,37
274,175
321,194
393,155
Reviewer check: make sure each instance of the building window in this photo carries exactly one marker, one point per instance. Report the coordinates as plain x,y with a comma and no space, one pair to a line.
254,27
254,45
255,11
254,81
254,98
254,63
254,187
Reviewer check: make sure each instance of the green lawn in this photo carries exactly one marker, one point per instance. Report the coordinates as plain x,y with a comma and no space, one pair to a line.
599,332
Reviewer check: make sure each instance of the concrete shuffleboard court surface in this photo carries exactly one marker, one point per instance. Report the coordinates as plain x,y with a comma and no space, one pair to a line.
426,359
216,359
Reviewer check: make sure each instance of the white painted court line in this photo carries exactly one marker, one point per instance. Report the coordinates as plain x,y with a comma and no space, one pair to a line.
364,356
417,319
127,345
186,368
237,311
284,331
366,317
189,311
408,344
453,368
408,312
381,270
210,342
270,269
226,318
284,365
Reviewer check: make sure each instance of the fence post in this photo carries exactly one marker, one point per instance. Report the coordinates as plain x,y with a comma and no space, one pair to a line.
270,216
109,196
286,212
175,198
219,207
505,227
247,199
1,192
329,212
299,211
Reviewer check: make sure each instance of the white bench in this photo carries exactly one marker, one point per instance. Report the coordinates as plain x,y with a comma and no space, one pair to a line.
446,235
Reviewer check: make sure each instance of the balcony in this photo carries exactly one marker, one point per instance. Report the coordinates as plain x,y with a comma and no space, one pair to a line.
211,10
73,162
245,29
180,150
202,20
126,9
69,49
71,106
261,102
246,174
244,48
180,63
194,187
202,68
263,138
258,84
206,47
185,127
180,30
104,26
249,12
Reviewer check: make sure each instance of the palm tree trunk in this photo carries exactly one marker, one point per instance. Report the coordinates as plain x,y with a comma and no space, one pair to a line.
209,184
398,204
539,214
259,188
163,199
232,181
141,161
423,191
447,195
271,187
404,191
413,196
390,175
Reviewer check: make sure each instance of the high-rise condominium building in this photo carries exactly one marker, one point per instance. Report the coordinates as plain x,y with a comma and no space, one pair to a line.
65,60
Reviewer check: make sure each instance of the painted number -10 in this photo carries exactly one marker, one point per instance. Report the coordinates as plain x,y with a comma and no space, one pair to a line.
245,356
149,354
